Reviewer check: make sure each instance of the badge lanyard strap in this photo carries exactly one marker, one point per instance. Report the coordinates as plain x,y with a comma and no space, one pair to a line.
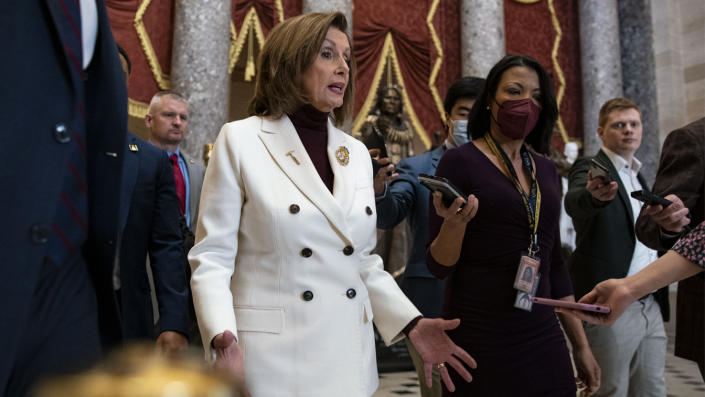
532,213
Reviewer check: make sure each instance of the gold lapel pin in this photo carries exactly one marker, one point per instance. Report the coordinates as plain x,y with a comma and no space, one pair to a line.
290,153
133,148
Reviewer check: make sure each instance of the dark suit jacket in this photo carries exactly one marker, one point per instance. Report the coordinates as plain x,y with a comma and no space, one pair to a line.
40,89
605,238
405,196
149,223
682,172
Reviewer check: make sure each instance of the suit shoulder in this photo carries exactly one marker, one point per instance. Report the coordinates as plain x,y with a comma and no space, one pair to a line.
246,123
142,147
417,161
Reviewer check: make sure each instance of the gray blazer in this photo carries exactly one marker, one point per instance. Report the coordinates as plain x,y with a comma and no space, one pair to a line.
196,171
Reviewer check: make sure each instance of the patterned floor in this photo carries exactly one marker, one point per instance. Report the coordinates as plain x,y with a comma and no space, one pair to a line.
682,376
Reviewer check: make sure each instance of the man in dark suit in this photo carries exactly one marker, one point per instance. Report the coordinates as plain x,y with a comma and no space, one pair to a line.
681,179
167,121
632,352
406,197
149,223
63,130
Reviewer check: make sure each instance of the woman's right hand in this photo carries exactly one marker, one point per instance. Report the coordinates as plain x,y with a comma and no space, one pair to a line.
455,215
229,359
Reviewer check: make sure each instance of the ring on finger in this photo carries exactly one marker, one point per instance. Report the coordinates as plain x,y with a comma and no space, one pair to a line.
440,365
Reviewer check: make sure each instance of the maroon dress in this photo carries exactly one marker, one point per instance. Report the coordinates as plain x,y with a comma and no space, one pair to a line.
518,353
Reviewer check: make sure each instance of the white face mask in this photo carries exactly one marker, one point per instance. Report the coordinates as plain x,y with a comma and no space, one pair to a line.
460,132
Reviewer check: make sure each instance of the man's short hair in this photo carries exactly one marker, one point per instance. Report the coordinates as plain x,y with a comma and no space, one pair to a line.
615,104
466,88
290,49
158,97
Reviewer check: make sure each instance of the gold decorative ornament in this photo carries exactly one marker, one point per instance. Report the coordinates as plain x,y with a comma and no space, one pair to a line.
342,155
557,67
207,150
439,60
160,77
133,148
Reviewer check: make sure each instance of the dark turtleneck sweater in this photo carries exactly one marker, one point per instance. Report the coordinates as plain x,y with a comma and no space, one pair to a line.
312,126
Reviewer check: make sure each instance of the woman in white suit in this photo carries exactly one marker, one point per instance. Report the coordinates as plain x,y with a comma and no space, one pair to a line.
284,285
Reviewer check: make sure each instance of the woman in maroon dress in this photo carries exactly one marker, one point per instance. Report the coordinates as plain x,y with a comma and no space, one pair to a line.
510,224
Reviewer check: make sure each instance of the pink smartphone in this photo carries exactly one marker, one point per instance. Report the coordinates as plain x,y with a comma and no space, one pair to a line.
572,305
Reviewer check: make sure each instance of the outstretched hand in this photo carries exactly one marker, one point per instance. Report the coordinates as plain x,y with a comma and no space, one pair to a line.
612,293
385,173
437,349
229,358
600,189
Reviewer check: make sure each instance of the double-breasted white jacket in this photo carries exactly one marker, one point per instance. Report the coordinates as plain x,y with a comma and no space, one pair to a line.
286,265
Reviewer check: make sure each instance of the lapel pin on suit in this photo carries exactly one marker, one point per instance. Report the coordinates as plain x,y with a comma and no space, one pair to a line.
342,155
133,148
290,153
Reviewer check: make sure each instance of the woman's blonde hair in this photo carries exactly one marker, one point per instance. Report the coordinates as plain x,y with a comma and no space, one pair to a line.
290,49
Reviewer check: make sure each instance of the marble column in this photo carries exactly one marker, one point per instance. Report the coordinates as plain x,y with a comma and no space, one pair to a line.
639,77
344,6
199,68
600,62
481,36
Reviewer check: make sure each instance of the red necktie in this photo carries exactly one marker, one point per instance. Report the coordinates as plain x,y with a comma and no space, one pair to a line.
179,181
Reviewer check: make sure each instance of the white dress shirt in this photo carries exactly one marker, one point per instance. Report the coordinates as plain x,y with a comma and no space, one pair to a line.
643,255
89,29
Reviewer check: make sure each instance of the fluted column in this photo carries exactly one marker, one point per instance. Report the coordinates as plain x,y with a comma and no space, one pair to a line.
600,62
639,77
344,6
199,67
481,35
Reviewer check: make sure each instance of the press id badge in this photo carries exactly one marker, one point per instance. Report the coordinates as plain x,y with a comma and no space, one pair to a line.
526,273
523,300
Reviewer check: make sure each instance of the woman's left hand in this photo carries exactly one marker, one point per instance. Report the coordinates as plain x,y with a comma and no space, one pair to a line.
436,348
589,372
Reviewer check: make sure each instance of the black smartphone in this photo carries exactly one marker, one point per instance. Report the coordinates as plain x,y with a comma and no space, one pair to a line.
650,198
599,171
376,165
443,185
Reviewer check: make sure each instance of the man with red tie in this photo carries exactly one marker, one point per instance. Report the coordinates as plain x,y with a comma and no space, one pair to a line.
149,227
63,131
167,121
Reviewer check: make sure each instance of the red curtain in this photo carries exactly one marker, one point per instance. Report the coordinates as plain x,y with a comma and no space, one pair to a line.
267,12
415,51
532,29
158,22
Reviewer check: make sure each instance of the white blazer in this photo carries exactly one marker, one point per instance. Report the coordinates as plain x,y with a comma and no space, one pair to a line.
286,265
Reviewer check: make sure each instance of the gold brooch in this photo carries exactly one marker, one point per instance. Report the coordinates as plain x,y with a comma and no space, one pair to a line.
133,148
342,155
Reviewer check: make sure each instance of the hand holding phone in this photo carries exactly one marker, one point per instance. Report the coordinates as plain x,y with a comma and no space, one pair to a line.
443,185
650,198
572,305
597,170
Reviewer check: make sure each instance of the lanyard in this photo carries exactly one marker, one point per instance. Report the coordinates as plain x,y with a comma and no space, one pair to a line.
532,201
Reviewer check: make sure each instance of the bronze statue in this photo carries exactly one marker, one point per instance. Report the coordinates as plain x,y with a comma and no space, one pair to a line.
386,125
